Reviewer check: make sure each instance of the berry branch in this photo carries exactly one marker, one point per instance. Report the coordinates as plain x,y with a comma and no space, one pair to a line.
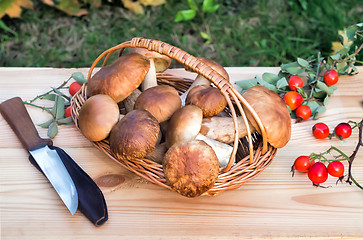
350,178
60,111
315,163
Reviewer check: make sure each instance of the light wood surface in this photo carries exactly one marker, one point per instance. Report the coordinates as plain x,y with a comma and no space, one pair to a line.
273,205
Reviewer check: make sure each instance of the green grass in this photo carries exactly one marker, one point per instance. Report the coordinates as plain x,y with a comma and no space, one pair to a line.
243,33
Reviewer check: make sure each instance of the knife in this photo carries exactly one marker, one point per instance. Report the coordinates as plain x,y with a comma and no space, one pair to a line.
48,160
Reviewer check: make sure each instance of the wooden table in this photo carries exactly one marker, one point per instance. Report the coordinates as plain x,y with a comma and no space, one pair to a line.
274,204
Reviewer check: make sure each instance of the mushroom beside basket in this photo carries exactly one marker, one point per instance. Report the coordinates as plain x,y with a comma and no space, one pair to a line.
250,155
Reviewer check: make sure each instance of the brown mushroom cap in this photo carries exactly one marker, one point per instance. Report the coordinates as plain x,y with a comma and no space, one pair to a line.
207,98
191,168
273,113
135,135
121,78
162,62
97,116
161,101
184,125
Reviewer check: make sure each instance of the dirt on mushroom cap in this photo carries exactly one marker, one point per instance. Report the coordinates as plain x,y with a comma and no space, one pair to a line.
191,168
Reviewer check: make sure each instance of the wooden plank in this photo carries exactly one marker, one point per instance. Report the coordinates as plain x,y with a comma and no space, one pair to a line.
273,205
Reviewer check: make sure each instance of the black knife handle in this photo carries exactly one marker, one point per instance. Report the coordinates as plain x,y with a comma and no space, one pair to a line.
15,113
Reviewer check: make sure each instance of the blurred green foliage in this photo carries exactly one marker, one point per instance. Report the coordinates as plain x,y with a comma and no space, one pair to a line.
241,33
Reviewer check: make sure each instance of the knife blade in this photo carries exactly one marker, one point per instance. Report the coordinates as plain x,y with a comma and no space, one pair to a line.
15,113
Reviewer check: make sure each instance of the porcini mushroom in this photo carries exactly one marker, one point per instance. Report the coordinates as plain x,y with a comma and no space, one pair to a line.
270,108
200,79
121,78
190,168
207,98
161,101
135,135
158,154
129,102
97,116
185,125
158,63
222,128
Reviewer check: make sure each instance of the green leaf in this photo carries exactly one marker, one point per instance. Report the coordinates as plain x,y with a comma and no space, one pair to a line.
322,86
325,102
270,78
351,33
209,6
50,97
343,51
65,121
341,66
185,15
303,63
282,83
266,84
333,88
335,56
59,107
78,76
319,93
304,4
52,130
4,27
320,110
314,105
292,68
302,93
205,35
246,84
46,124
193,5
287,65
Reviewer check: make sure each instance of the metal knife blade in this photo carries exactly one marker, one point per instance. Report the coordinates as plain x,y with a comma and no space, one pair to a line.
57,174
15,113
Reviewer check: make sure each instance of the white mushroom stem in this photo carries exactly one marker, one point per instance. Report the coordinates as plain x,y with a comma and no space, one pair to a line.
222,150
150,78
199,80
222,129
129,102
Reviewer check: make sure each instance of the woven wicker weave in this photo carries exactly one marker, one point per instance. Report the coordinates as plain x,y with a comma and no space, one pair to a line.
253,154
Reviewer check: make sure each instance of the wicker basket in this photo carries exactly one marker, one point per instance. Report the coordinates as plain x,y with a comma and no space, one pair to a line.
253,154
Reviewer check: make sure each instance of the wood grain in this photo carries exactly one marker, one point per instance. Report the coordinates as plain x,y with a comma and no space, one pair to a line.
273,205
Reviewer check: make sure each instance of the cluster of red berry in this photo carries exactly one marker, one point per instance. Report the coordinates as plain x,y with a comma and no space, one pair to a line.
294,100
318,171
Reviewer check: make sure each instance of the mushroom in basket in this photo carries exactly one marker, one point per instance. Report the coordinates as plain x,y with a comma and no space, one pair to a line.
269,107
135,135
97,117
207,98
158,63
161,101
121,78
200,79
190,168
185,125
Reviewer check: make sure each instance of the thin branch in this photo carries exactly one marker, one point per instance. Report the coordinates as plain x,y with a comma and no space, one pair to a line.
352,157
